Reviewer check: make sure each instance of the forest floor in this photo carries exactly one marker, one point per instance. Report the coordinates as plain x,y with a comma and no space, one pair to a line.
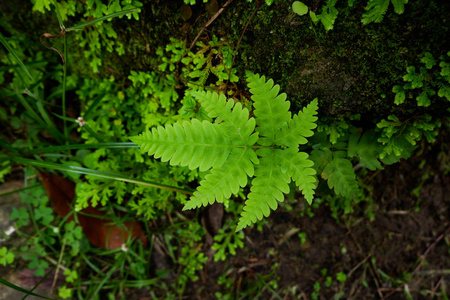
404,253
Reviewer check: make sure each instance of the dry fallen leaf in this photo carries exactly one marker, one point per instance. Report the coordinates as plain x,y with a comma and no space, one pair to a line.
101,232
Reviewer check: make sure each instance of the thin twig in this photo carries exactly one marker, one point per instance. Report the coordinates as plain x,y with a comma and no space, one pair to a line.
58,265
258,4
205,26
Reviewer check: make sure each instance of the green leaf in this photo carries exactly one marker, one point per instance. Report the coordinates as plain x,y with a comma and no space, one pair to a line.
45,213
299,8
268,187
341,177
233,118
313,17
6,257
444,91
375,11
423,99
399,6
21,215
41,5
428,60
366,147
400,94
224,181
295,131
271,108
328,15
194,144
299,167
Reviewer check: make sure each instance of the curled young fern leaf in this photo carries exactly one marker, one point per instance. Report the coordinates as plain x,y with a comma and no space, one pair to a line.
194,144
271,108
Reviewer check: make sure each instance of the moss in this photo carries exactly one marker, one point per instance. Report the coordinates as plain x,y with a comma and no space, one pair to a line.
351,68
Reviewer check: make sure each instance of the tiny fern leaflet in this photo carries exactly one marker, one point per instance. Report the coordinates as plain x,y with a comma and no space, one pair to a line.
376,9
236,146
366,147
341,177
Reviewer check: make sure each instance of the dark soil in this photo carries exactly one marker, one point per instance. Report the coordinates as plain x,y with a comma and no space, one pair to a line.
405,249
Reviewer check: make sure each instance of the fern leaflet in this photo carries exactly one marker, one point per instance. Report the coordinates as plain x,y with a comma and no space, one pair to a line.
268,187
341,177
299,127
271,108
366,147
376,9
299,167
222,182
195,144
234,121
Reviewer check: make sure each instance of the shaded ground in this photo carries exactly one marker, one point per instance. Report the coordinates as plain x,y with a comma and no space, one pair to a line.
405,249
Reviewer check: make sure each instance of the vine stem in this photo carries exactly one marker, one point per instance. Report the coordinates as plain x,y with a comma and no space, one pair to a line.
205,26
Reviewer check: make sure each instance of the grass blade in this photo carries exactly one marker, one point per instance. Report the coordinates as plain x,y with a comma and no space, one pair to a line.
19,289
53,149
107,175
58,14
114,15
94,104
13,53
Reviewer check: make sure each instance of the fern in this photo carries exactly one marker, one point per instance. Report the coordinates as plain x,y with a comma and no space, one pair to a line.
195,144
341,176
366,147
376,9
236,146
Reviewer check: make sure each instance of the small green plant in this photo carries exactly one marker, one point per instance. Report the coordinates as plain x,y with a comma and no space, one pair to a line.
236,147
226,243
429,81
401,137
327,17
6,257
376,9
191,258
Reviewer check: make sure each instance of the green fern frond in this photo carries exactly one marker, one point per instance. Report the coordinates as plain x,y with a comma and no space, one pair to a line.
341,177
271,108
268,187
299,167
222,182
399,5
227,147
376,9
194,144
366,147
233,118
299,127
